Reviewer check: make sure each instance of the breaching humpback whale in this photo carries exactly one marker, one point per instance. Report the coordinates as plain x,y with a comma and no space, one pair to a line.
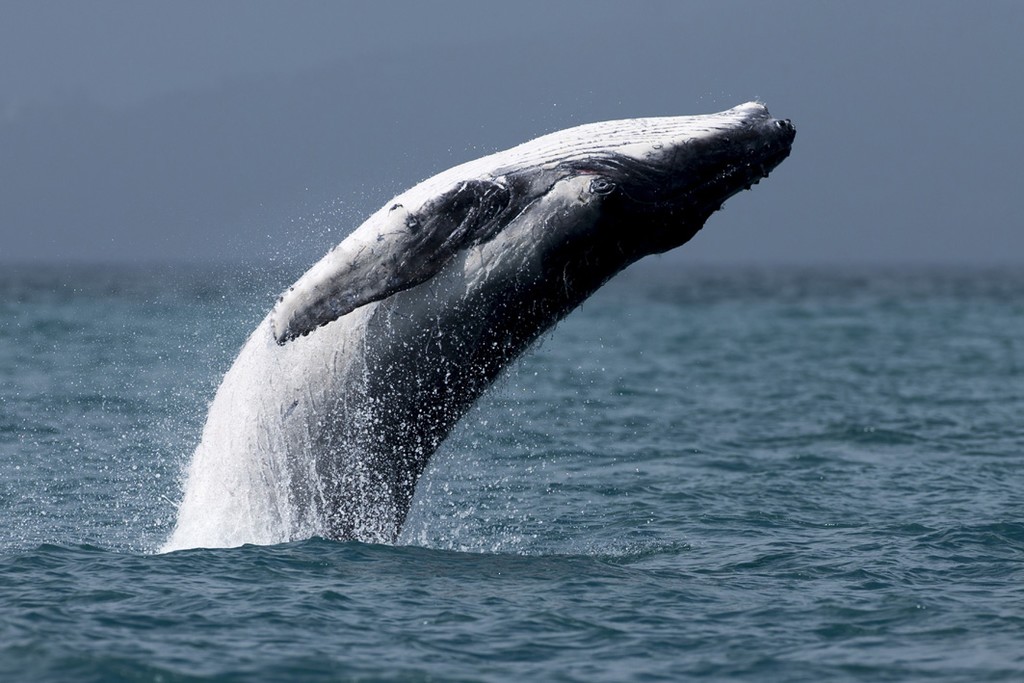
330,413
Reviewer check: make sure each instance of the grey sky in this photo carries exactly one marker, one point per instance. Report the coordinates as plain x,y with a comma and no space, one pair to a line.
256,130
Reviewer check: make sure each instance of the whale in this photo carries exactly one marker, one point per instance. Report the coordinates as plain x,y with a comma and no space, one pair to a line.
335,404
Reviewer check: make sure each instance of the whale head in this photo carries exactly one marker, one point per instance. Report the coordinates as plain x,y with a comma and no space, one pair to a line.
579,205
660,179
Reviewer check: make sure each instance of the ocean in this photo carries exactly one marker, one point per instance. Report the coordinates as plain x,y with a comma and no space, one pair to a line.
713,473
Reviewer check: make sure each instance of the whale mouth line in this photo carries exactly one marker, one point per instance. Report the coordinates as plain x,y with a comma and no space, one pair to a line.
719,186
739,177
749,170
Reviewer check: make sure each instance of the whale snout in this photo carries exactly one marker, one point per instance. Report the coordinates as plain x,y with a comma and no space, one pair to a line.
756,115
786,128
785,134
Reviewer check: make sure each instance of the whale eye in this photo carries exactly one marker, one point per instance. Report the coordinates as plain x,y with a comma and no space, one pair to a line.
602,185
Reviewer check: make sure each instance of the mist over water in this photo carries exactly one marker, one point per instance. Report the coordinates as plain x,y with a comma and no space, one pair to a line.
727,473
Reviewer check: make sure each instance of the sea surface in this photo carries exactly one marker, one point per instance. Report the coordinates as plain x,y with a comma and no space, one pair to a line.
711,473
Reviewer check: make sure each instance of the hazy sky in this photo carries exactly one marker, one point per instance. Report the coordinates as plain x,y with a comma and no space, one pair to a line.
256,130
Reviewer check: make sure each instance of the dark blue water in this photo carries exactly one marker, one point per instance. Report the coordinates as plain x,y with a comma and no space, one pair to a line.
728,474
